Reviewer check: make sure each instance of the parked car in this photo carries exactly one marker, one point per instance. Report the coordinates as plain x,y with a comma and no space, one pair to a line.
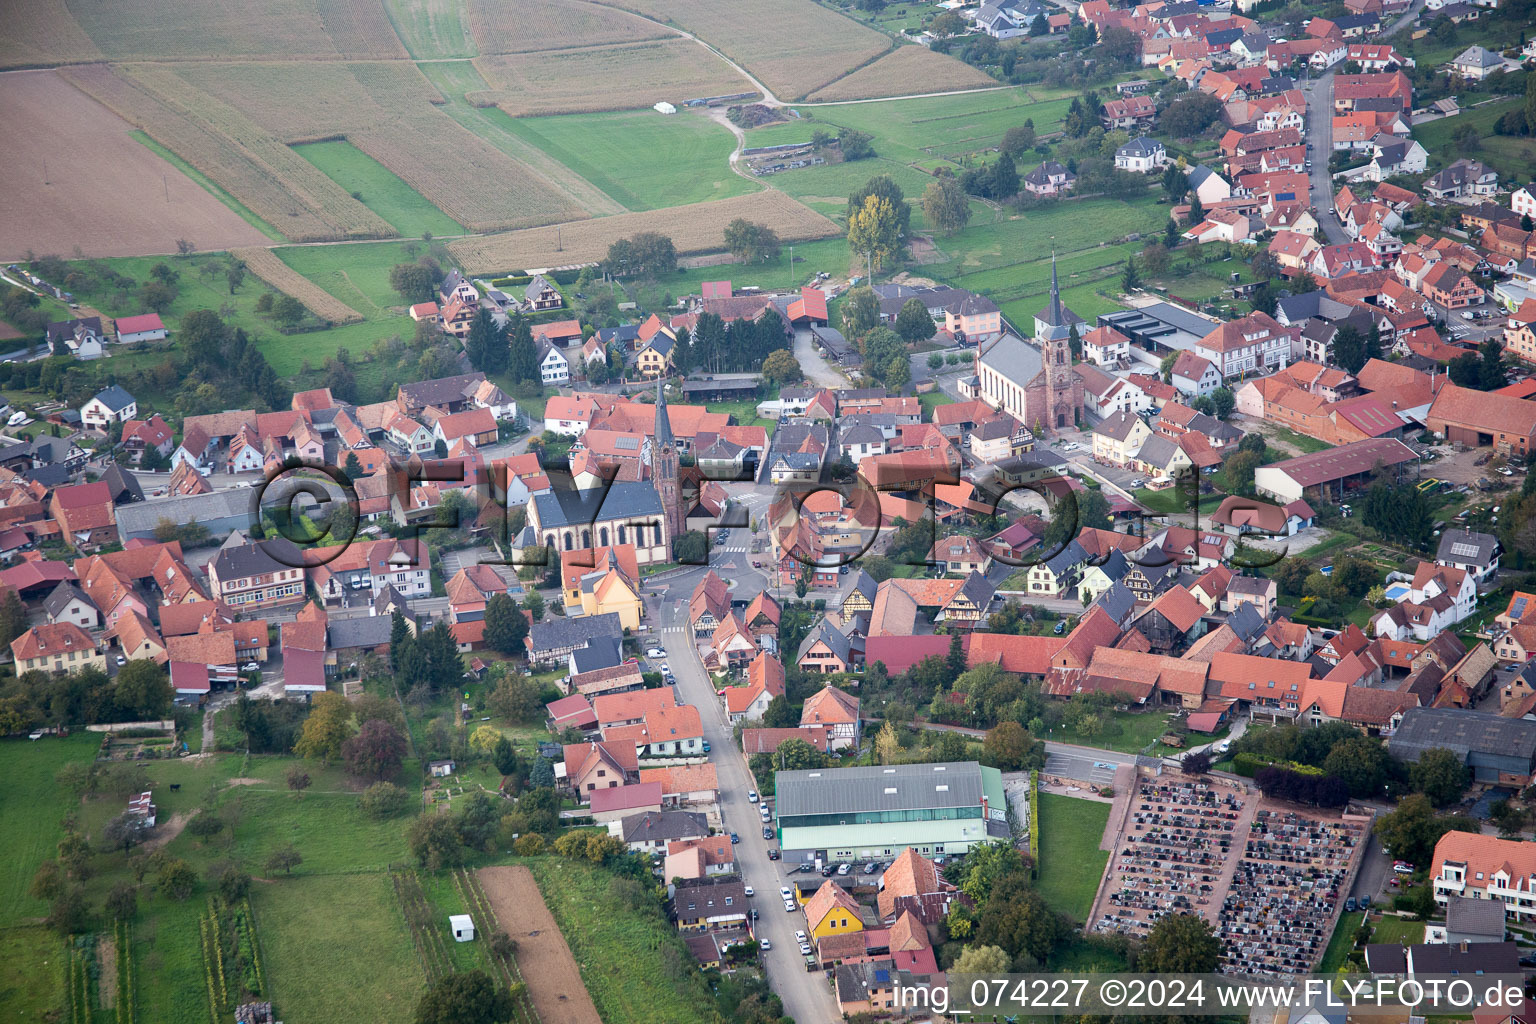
748,890
765,946
1061,627
735,838
773,854
122,660
800,936
843,869
790,906
751,796
785,892
871,868
1349,905
250,666
826,872
655,652
706,746
805,947
767,832
1365,902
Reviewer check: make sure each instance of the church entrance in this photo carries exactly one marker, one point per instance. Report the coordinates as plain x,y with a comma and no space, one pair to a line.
1061,419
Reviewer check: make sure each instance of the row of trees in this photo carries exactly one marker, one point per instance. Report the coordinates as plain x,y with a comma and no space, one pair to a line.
140,691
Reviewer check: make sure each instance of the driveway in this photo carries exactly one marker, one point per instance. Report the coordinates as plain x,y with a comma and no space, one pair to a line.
817,370
807,997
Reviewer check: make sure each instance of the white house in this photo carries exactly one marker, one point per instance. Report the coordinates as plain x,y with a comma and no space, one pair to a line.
1393,155
554,368
1477,63
1143,156
1105,346
111,405
146,327
1438,598
462,926
1194,375
1208,185
1476,554
1523,200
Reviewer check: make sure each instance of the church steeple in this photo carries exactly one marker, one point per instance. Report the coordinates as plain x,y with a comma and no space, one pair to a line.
664,467
1053,322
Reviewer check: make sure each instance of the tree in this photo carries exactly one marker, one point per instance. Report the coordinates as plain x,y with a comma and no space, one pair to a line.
1180,944
860,312
874,231
48,881
506,627
176,879
124,832
1411,831
1006,746
1131,279
522,356
1175,182
781,367
855,145
328,726
798,755
205,825
415,282
887,744
352,467
516,698
284,859
287,310
1190,114
983,960
534,603
484,738
1017,919
143,691
122,903
751,242
647,254
1154,256
232,883
1349,348
1440,775
1019,138
384,800
234,274
780,714
945,205
1492,372
1003,179
1196,762
950,23
1239,471
298,779
68,914
465,998
1224,401
13,617
376,750
434,841
1363,764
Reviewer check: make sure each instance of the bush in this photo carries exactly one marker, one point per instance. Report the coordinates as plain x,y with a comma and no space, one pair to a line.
384,800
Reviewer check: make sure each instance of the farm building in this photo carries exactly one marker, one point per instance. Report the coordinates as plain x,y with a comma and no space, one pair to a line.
1330,472
146,327
463,927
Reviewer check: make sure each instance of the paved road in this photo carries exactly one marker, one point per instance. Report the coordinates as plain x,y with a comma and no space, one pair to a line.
807,998
1319,130
817,370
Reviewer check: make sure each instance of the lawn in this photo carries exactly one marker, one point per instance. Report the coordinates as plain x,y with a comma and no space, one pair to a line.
31,806
379,188
1173,500
689,162
1512,157
356,274
337,949
830,255
172,985
1390,928
1136,731
245,212
616,947
1341,943
1071,863
744,410
30,983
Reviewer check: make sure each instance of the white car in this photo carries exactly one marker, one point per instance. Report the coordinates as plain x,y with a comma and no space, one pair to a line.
122,660
250,666
666,669
843,869
748,890
800,936
789,906
787,893
655,652
805,948
752,796
765,945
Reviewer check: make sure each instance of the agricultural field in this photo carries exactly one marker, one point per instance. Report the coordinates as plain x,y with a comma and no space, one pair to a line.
282,29
583,79
279,275
619,946
431,29
39,32
175,160
926,131
390,112
529,25
694,164
794,47
31,983
696,228
909,69
544,957
276,183
357,275
316,931
382,191
124,200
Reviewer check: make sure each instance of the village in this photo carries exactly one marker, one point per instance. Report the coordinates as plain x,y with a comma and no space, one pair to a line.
599,602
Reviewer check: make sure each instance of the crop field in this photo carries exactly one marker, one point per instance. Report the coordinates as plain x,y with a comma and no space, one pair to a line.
175,160
431,29
381,190
792,46
265,265
554,983
909,69
125,199
696,228
276,183
693,165
455,80
280,29
501,27
39,32
315,931
392,113
578,80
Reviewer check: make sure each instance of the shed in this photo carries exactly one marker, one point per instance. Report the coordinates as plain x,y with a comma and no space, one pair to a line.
440,769
463,927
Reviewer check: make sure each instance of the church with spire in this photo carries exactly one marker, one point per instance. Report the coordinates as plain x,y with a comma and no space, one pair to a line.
1035,381
665,471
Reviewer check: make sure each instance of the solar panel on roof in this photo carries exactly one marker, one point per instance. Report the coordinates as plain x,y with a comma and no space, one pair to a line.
1466,550
1518,610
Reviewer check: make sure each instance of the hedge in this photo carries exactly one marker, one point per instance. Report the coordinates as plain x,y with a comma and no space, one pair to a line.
1034,819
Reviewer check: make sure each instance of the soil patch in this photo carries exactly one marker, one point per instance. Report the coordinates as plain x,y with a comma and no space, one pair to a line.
543,957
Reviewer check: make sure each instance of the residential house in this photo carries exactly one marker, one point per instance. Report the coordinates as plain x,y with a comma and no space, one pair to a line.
1141,156
1462,178
108,406
838,711
56,647
1049,179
